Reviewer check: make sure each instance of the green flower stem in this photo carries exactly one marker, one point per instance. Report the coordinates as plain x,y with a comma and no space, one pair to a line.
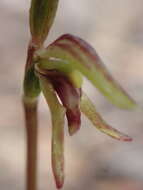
57,114
31,123
89,110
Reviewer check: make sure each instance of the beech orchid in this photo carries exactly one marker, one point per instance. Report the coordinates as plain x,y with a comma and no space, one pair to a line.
57,71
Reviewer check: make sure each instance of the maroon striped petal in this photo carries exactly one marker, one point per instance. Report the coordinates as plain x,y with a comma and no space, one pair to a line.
82,57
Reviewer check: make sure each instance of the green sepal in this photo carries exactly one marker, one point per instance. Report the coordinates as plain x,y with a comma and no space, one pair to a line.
42,14
57,116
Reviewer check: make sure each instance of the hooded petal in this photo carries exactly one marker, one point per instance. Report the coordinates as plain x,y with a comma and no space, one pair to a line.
81,56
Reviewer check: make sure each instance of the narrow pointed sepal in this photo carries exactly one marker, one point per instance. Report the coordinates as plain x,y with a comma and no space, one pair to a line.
58,148
89,110
57,115
82,57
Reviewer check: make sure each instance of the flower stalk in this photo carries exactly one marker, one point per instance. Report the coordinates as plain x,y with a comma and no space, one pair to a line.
31,123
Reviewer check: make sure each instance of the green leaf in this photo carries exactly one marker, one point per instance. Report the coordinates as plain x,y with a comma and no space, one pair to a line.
57,114
42,14
82,57
89,110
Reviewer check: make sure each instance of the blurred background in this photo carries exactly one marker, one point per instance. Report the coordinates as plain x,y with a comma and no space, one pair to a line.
94,161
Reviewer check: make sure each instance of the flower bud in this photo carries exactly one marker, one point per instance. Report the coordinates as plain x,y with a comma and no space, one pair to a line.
42,14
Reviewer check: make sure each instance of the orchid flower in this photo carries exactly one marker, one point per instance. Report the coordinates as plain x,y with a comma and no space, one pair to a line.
57,71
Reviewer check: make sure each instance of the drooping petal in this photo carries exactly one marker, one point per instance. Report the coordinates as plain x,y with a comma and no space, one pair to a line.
89,110
57,114
69,96
81,56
